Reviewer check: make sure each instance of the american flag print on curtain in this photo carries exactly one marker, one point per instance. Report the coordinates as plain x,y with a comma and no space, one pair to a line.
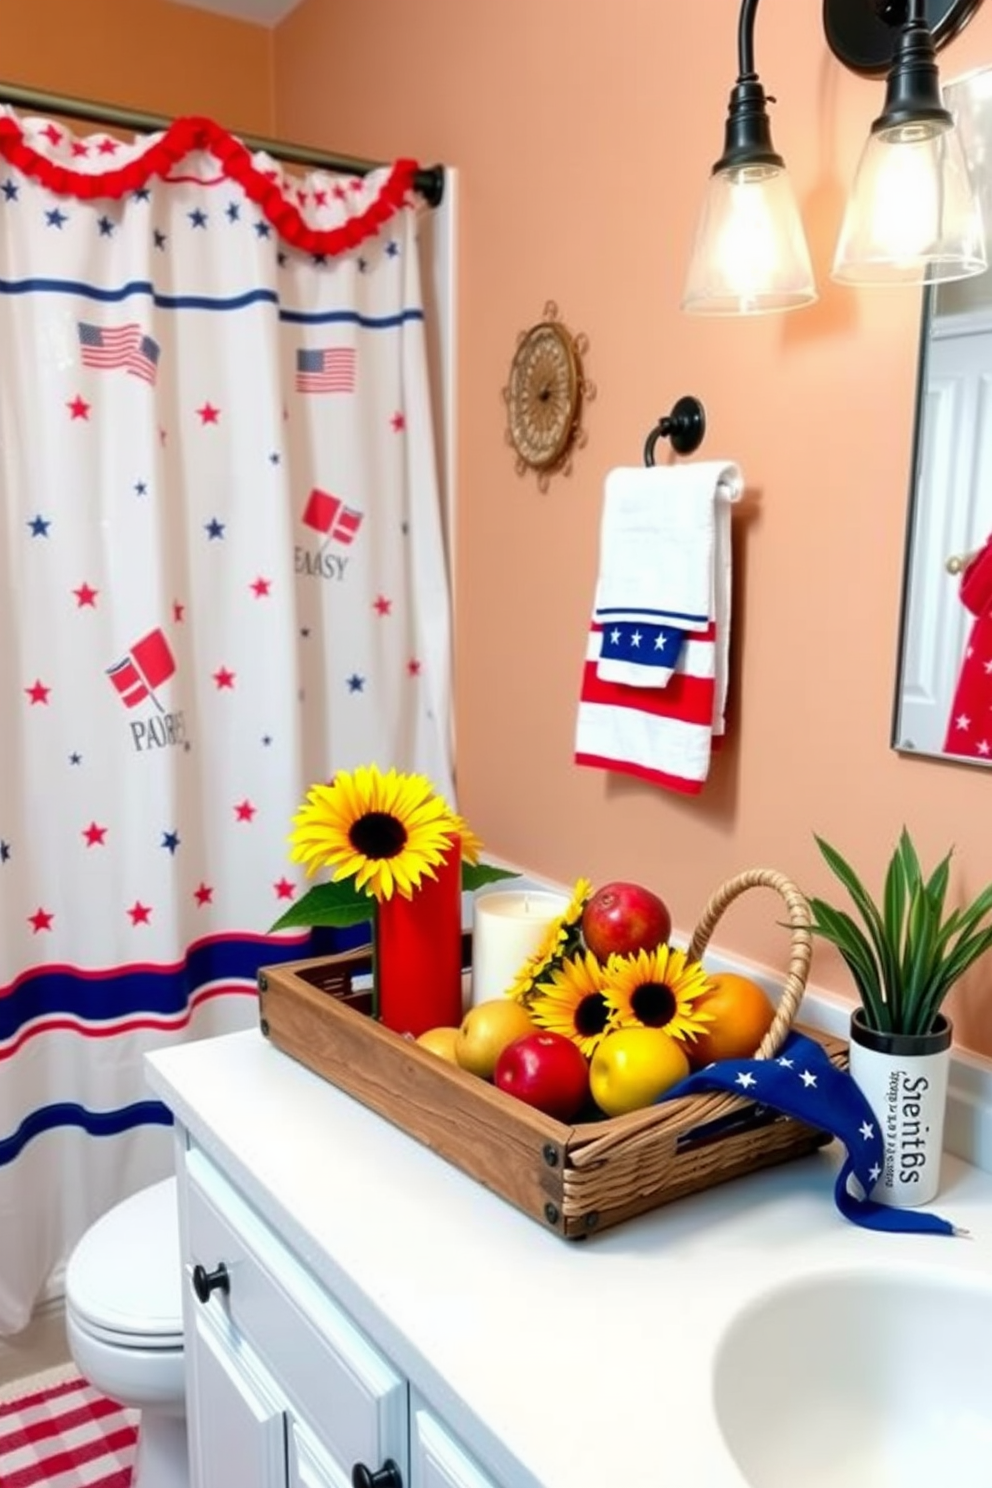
223,579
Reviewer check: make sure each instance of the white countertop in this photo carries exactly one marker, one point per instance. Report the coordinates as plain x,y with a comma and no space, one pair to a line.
570,1364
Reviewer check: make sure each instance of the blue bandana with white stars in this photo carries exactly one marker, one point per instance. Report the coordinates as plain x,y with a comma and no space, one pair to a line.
802,1082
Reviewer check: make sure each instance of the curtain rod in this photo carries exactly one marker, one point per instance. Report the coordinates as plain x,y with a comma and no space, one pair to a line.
429,181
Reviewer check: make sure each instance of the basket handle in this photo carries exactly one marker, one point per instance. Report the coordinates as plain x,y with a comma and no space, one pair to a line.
801,951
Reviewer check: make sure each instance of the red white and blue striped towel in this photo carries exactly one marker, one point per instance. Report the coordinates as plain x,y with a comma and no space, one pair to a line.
654,684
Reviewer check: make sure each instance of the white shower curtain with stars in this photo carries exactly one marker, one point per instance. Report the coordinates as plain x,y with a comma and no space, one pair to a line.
223,579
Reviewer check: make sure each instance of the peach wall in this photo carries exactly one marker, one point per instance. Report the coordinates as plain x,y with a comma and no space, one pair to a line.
583,135
148,55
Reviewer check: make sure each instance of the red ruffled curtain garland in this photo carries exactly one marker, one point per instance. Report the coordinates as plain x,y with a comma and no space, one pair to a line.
182,138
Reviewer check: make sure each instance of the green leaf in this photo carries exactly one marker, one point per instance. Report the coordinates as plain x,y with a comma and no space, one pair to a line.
839,928
475,875
919,958
884,950
338,904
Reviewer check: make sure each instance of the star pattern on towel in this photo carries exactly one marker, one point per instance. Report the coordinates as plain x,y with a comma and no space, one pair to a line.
647,645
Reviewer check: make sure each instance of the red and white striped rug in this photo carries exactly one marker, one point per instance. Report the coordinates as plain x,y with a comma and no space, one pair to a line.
56,1431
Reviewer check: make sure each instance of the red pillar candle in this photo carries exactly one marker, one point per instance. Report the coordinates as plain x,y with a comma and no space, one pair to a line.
418,952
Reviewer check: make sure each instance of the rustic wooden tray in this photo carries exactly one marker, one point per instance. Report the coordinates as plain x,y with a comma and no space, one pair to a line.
576,1179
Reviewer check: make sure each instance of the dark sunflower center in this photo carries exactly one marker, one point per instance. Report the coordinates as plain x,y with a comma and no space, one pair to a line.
377,834
591,1015
654,1004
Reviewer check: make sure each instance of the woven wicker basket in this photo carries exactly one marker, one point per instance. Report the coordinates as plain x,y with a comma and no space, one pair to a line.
578,1178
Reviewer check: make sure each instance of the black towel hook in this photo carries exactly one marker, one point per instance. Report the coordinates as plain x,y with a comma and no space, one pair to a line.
684,426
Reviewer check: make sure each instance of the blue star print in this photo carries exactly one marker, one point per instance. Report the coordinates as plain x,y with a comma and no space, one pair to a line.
106,227
392,248
140,488
160,238
233,212
263,229
39,526
171,841
356,683
10,190
55,218
142,194
75,759
197,217
4,852
213,528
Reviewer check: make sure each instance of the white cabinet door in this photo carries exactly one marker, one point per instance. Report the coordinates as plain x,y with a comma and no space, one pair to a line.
237,1426
309,1465
436,1459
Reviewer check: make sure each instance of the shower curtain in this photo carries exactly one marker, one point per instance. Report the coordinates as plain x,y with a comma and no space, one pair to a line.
223,579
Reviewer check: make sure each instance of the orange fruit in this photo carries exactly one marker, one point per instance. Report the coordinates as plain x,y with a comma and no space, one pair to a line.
485,1031
742,1015
440,1041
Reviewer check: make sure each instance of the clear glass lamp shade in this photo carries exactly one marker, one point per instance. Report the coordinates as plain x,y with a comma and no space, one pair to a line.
750,254
913,216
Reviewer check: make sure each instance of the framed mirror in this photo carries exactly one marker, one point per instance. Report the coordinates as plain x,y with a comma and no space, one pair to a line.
943,697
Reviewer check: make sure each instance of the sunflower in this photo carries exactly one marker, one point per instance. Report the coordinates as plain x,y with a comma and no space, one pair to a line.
658,989
572,1002
560,939
386,831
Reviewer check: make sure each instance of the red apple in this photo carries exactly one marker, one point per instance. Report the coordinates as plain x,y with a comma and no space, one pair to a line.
623,918
547,1071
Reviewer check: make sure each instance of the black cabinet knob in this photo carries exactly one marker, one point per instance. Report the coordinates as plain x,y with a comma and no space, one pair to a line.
205,1282
388,1476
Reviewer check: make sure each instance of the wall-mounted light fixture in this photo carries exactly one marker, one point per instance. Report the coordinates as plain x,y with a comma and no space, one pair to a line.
913,216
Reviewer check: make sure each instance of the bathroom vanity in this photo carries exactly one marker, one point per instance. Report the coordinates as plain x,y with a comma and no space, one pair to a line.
360,1311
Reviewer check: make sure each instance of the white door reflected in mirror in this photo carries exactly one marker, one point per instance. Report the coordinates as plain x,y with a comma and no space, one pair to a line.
943,703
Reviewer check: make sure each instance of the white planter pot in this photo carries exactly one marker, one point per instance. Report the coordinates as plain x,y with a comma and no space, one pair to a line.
904,1079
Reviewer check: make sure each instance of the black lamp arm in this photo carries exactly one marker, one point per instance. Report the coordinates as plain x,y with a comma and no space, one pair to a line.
745,39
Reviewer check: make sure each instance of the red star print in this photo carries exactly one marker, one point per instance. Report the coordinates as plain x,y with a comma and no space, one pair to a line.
209,414
78,148
38,693
86,596
203,895
108,146
398,422
139,913
261,587
178,611
224,678
52,134
41,920
79,408
413,667
284,889
320,198
340,193
301,197
356,184
94,835
244,811
382,605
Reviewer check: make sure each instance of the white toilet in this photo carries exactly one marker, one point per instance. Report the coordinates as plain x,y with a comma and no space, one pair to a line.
124,1325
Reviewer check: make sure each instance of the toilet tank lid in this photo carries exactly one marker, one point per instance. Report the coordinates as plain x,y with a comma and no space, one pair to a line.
125,1274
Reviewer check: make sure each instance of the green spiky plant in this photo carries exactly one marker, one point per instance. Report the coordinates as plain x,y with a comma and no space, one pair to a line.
910,952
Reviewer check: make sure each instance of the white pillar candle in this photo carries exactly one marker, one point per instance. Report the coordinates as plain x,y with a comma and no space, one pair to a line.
507,929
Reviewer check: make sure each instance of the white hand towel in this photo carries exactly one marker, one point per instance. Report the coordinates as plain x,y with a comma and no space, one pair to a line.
664,566
660,720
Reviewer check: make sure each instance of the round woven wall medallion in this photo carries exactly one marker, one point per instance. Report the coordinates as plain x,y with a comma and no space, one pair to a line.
544,397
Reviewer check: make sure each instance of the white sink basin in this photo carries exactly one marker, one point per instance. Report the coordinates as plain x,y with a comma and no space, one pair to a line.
861,1379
